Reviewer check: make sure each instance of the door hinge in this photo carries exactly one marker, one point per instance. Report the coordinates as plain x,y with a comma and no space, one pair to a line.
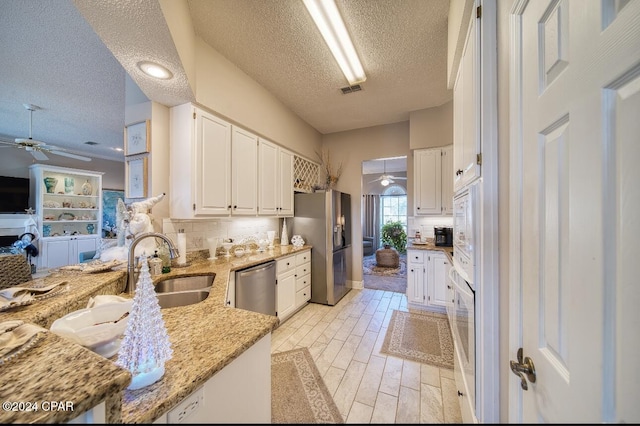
194,115
479,12
479,159
194,207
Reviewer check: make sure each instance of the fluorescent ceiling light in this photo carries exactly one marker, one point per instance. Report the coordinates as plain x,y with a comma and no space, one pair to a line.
328,20
155,70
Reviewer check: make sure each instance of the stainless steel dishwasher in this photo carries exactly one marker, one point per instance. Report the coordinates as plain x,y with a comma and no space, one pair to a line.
256,288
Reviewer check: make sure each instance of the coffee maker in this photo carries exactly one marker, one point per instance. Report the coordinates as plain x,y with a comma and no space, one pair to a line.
443,236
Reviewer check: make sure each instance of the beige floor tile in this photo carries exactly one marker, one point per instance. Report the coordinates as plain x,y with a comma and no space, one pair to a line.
368,390
363,352
431,410
450,401
347,351
391,376
359,413
430,375
346,392
368,386
385,409
332,379
408,406
411,375
362,324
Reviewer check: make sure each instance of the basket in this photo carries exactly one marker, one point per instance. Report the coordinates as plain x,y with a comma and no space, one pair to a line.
14,270
387,258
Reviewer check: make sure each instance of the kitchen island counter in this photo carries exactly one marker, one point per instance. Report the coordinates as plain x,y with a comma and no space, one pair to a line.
205,337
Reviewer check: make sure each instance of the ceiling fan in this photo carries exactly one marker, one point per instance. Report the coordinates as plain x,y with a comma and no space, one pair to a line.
35,147
386,179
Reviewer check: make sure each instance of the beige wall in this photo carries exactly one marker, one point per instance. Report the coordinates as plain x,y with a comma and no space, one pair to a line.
431,127
352,148
229,92
15,162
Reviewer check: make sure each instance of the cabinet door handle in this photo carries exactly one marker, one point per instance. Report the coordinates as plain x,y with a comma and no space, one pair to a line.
229,206
235,207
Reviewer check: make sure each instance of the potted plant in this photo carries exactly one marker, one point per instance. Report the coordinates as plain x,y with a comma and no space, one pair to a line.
394,235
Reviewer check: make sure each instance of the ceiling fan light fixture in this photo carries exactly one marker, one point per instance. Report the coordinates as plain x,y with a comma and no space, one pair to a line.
385,182
327,18
155,70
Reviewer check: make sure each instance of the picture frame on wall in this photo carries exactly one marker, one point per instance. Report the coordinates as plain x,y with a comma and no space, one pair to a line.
136,177
137,138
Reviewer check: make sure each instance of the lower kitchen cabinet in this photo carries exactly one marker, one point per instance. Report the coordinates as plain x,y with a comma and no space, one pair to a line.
60,251
427,279
239,393
294,283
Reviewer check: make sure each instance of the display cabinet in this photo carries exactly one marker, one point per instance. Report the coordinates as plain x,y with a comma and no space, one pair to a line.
68,205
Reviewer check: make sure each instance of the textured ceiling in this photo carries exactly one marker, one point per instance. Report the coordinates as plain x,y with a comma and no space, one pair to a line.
73,58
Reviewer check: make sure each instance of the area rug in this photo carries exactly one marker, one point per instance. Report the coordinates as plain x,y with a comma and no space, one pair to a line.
369,267
423,337
298,393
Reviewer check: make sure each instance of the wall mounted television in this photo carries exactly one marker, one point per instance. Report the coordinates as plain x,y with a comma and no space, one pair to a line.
14,194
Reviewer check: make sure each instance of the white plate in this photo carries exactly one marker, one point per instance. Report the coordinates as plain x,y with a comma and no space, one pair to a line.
94,328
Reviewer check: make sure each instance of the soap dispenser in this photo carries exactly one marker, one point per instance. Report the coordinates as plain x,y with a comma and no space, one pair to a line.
155,264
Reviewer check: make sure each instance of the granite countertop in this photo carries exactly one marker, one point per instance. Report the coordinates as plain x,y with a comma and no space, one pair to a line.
205,337
430,245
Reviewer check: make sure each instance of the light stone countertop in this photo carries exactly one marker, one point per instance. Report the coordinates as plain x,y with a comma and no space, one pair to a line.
431,247
205,337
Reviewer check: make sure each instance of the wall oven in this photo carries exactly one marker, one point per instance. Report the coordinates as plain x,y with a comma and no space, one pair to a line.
464,232
463,330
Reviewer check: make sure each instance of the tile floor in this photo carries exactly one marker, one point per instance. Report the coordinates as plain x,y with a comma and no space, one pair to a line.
368,386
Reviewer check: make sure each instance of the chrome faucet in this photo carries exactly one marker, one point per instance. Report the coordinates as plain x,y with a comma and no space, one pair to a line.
131,267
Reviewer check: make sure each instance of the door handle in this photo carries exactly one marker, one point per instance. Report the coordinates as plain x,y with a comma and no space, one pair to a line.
525,369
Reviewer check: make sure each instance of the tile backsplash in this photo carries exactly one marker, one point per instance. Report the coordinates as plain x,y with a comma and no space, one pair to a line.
425,224
197,231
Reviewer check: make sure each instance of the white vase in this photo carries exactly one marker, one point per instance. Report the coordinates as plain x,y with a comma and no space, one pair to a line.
284,237
87,189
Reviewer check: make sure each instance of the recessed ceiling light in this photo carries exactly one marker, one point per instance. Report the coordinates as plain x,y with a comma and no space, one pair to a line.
155,70
118,149
91,143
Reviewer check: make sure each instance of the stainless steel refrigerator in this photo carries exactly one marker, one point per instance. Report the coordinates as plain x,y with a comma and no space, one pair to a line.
323,219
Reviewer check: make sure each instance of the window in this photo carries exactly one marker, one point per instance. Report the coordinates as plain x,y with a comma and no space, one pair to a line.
393,205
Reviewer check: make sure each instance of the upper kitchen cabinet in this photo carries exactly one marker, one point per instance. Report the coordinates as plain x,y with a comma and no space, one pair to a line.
244,172
275,182
433,181
466,113
200,163
213,166
68,205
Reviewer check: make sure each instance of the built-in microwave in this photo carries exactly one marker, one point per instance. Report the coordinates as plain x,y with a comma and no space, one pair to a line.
464,232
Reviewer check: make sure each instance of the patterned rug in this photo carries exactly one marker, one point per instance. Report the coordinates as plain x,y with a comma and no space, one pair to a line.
298,393
424,337
369,267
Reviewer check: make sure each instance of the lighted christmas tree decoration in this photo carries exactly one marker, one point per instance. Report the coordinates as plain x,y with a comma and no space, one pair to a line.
145,347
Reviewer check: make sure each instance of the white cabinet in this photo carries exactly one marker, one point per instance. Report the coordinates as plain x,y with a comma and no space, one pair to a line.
239,393
286,287
447,180
294,283
466,113
433,179
275,182
200,163
303,278
244,172
427,279
63,251
68,205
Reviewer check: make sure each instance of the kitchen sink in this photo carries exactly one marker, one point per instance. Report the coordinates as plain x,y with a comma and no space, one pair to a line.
196,282
183,291
181,298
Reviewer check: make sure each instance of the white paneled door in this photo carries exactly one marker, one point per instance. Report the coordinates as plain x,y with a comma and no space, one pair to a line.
578,81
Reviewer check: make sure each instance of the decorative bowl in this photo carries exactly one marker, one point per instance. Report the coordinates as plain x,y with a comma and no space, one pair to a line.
99,328
239,252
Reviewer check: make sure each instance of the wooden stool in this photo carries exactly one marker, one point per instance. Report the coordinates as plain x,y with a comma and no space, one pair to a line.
387,258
